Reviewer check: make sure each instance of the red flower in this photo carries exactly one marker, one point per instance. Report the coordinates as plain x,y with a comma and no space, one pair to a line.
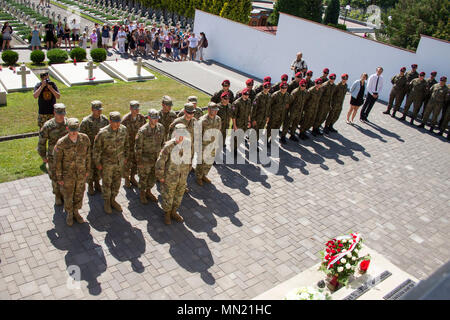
364,265
338,262
340,244
338,250
328,250
331,266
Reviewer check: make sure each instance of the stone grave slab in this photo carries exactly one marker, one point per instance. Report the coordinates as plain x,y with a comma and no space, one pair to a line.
12,80
72,75
126,70
378,265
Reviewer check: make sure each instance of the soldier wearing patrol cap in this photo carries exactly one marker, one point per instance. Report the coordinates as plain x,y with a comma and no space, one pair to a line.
172,169
259,115
249,85
279,106
225,114
260,88
133,120
210,144
52,131
166,115
309,82
324,105
225,88
397,92
90,126
110,156
324,76
72,167
310,108
294,83
198,112
276,86
149,141
337,100
439,97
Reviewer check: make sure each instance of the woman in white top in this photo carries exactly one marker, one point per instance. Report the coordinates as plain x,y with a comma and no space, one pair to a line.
357,97
193,44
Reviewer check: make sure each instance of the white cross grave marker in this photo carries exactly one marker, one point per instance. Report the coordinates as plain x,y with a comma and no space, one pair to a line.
90,67
23,72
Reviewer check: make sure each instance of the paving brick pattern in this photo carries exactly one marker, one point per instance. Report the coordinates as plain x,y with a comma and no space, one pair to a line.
245,233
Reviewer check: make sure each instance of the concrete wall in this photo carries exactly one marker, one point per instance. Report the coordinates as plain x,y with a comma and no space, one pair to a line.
260,53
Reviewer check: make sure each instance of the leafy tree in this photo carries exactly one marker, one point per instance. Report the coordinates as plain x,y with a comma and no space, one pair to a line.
311,10
285,6
332,12
410,18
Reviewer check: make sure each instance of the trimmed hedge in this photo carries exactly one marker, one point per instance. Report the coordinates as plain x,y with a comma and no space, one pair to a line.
10,57
98,55
78,53
57,56
37,56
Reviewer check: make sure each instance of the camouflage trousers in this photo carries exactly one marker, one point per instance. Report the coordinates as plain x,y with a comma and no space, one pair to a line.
260,124
202,169
223,129
51,169
321,115
73,192
147,178
111,178
417,104
395,99
291,122
308,119
432,107
95,173
445,119
130,169
172,193
43,118
273,124
333,115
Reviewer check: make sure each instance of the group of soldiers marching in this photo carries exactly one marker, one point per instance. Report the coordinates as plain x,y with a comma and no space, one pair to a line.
434,96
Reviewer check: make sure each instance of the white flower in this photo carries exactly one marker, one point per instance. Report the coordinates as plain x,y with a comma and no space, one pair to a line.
356,250
348,266
343,260
353,258
340,269
349,255
344,241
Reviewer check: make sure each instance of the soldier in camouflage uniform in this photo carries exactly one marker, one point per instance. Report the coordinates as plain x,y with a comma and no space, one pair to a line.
430,82
324,105
72,166
260,88
149,141
416,95
207,122
324,76
295,83
172,169
279,106
337,100
133,120
298,97
410,76
240,115
110,156
225,114
225,88
276,86
166,115
309,82
52,131
249,85
439,96
310,108
198,112
397,92
259,115
445,116
90,126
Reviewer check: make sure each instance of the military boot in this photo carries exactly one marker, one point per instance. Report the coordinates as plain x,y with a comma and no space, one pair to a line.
174,215
393,114
422,125
150,196
69,219
133,181
440,133
326,130
205,179
77,216
167,218
403,118
199,181
412,121
107,206
91,191
283,139
388,111
58,199
143,197
97,186
293,138
115,205
127,182
332,129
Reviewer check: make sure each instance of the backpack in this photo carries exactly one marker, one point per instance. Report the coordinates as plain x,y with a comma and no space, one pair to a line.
205,43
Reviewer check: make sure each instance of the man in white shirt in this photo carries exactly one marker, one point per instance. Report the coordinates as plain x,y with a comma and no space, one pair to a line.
374,87
298,65
193,43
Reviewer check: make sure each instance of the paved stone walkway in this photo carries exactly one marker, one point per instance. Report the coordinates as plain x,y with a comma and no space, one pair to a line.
247,232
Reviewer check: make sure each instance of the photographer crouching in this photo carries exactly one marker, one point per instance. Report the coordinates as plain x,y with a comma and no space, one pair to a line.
46,92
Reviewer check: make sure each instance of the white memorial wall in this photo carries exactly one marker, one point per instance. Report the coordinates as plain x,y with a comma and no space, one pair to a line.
260,53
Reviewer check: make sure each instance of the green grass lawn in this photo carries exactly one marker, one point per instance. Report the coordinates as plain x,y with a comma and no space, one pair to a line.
19,159
20,114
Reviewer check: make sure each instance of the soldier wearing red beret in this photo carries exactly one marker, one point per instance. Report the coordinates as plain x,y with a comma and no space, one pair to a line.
294,83
310,108
224,113
397,92
337,100
225,88
276,86
309,82
324,76
261,86
416,96
324,105
439,98
279,105
249,85
291,122
240,114
260,109
430,82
